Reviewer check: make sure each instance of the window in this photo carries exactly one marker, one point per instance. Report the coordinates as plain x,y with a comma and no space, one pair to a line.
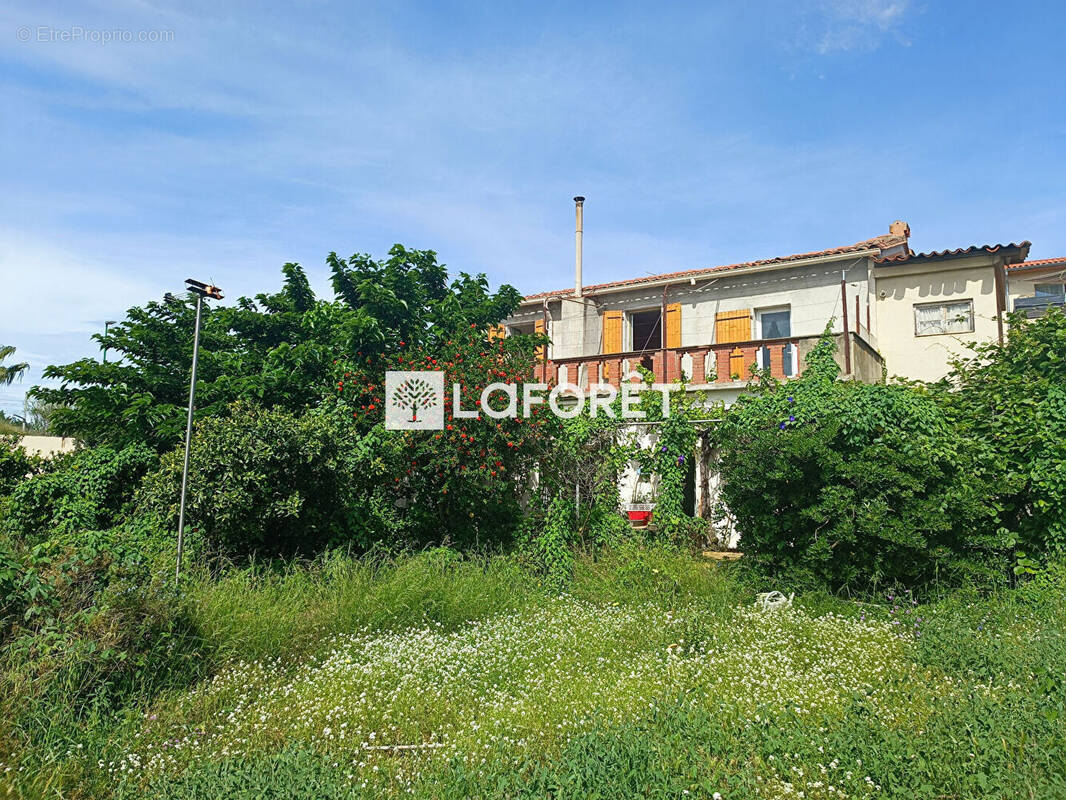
931,319
647,330
773,323
1048,290
522,329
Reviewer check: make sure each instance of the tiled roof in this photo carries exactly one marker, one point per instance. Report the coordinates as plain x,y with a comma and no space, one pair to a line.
883,242
1042,262
910,255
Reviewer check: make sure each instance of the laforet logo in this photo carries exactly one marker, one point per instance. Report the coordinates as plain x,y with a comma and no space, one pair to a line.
415,394
414,400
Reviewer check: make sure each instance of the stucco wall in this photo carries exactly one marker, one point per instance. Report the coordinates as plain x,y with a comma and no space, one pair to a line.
812,292
926,357
47,446
866,364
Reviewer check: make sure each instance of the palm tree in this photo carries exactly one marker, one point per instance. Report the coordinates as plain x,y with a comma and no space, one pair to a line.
9,374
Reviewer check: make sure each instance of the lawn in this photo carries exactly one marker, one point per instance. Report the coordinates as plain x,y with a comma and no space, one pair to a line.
654,676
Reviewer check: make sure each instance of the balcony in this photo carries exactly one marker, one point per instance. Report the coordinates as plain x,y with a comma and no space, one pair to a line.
1037,306
710,366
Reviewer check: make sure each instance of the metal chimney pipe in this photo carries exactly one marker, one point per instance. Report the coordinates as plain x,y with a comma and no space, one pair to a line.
579,203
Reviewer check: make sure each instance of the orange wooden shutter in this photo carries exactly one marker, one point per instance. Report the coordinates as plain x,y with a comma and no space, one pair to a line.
612,331
673,325
497,332
736,363
732,326
540,329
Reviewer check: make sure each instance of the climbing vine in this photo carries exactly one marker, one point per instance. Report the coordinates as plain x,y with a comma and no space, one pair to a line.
669,458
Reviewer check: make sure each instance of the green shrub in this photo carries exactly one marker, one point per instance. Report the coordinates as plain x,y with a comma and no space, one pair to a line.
1012,399
84,490
461,485
273,483
87,630
15,464
855,486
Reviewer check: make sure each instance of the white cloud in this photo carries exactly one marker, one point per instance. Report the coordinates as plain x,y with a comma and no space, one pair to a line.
859,24
62,290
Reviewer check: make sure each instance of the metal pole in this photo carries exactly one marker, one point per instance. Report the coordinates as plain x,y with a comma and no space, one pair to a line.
544,347
188,436
579,230
662,336
847,336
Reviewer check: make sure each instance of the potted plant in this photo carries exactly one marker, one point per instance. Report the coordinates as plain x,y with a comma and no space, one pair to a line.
641,508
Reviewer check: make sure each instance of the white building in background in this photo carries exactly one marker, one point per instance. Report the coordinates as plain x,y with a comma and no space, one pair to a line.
47,446
1035,286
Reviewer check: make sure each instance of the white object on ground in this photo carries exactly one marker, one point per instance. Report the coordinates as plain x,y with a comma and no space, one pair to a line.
771,601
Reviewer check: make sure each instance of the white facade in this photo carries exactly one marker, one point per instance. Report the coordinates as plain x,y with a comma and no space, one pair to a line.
963,293
892,296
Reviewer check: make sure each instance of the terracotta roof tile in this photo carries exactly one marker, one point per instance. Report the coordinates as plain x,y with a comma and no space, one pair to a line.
910,255
883,242
1042,262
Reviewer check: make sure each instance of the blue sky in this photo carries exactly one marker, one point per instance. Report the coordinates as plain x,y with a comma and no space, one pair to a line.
701,133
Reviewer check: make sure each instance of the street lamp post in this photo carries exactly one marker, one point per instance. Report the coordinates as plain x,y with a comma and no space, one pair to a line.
201,290
107,324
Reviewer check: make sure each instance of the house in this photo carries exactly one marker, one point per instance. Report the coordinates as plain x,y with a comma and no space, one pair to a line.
891,310
1035,286
930,306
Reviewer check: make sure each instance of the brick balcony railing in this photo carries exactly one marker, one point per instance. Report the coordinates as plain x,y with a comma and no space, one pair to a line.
712,365
703,364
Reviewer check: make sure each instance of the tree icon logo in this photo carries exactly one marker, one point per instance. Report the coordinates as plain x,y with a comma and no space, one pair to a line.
415,400
415,394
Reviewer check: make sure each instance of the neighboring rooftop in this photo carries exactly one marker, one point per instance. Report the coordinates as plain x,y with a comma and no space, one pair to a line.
1042,263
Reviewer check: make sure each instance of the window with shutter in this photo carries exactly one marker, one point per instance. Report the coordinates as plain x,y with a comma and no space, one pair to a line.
646,329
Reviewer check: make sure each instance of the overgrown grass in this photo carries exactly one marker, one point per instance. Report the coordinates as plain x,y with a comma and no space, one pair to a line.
651,677
263,612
